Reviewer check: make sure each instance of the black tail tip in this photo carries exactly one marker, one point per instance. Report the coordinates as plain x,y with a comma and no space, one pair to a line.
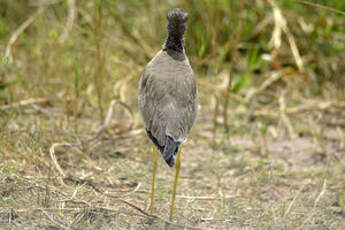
170,150
171,160
177,15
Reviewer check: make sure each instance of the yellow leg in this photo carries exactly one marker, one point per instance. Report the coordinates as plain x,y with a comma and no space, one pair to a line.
177,166
154,169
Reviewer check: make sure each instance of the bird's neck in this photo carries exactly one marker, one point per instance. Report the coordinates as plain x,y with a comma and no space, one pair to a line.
174,42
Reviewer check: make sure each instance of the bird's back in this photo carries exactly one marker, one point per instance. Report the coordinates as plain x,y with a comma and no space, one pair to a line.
168,98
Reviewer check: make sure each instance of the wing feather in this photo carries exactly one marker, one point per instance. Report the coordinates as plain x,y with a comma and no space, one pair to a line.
168,98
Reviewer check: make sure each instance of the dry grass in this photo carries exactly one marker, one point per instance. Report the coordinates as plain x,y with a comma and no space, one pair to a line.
233,186
267,150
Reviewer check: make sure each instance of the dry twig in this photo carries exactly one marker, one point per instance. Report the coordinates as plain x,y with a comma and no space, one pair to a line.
321,7
281,24
44,3
63,226
83,143
8,52
284,117
322,192
293,200
70,20
24,103
207,197
107,193
275,76
315,106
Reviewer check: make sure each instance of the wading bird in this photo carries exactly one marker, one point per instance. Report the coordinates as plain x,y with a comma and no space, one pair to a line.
168,98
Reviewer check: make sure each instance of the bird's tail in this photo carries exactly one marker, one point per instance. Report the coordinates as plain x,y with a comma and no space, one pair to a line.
170,151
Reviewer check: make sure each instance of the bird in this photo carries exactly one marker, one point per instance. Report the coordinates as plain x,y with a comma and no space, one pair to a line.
168,99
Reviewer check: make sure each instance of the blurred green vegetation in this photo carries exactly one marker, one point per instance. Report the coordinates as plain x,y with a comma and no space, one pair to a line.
96,50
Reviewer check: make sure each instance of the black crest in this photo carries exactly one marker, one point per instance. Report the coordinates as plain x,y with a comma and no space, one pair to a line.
177,16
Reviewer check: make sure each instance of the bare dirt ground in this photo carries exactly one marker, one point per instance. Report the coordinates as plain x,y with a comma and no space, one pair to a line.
246,180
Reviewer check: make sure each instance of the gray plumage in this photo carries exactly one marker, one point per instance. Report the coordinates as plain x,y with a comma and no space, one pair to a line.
167,91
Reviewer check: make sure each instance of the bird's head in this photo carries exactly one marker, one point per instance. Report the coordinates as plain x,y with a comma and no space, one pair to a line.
177,22
177,16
